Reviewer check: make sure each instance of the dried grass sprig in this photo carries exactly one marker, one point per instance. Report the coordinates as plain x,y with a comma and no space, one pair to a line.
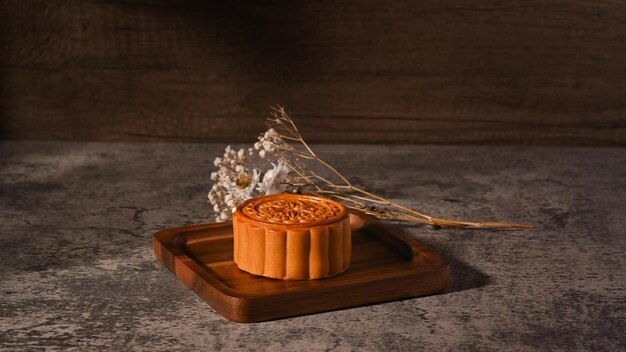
351,195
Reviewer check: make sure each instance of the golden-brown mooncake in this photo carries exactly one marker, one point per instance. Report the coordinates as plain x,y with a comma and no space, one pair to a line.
292,237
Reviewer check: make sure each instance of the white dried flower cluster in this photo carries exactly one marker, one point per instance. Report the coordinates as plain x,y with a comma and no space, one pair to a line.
269,144
234,181
239,176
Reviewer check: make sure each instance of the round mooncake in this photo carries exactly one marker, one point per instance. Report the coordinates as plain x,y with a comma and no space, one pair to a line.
292,237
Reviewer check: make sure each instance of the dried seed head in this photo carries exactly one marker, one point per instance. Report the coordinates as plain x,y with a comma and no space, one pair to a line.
243,181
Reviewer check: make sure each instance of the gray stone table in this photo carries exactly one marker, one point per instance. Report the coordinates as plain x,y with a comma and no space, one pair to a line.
77,270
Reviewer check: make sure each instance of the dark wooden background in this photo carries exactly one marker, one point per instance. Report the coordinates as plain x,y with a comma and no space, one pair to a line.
513,72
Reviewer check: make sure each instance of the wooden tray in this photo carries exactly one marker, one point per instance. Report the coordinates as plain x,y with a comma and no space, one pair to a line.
386,265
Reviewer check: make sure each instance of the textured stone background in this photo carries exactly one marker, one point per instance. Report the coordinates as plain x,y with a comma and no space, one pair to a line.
77,270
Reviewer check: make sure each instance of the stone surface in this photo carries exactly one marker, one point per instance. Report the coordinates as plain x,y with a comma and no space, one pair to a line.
77,270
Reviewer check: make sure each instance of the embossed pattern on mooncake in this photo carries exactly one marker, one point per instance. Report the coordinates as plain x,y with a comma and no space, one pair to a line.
292,210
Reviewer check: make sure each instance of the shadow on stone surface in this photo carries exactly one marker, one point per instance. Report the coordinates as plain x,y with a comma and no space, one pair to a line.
464,277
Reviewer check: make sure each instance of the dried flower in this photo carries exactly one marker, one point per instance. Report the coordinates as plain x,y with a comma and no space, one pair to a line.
274,179
281,161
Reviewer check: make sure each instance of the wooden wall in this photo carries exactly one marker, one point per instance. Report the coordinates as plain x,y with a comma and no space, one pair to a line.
453,71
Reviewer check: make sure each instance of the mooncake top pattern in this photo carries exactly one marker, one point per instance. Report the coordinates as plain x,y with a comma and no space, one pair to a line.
292,209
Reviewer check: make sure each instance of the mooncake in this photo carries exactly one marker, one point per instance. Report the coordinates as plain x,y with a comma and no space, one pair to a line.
292,237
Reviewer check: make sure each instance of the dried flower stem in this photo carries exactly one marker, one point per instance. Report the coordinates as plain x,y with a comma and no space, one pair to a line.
355,197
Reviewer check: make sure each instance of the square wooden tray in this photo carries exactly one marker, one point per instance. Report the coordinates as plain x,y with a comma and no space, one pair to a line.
386,265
